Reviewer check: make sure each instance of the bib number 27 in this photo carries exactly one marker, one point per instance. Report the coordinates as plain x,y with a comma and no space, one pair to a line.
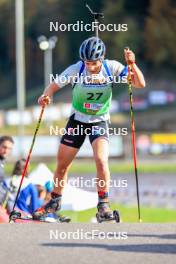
94,96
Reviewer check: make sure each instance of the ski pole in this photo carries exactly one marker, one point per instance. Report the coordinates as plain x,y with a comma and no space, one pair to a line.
96,17
29,156
133,137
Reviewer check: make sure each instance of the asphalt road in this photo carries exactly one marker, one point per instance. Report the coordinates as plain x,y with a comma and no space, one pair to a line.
87,243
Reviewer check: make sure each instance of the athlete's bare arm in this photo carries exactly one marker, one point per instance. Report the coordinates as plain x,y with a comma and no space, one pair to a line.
138,80
45,98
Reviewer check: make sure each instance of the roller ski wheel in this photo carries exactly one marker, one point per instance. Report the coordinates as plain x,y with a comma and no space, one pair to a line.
13,216
63,219
114,219
116,216
106,215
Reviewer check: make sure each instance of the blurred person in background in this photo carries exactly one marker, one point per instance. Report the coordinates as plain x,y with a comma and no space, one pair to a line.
29,198
6,145
42,192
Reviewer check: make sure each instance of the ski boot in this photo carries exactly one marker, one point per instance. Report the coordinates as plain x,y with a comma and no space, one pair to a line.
51,207
105,214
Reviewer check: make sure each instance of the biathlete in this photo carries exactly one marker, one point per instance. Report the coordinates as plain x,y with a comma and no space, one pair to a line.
91,99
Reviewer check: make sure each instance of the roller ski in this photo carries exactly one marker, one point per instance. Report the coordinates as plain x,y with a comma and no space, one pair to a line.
105,214
52,206
17,217
41,214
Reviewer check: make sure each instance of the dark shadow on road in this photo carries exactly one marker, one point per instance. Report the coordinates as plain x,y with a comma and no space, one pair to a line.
137,248
165,236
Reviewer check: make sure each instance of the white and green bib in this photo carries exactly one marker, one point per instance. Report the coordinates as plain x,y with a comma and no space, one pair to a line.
94,97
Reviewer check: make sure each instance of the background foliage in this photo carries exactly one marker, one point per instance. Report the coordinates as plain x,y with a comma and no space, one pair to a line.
151,34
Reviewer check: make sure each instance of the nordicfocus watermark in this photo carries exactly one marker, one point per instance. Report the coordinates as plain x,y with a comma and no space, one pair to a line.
80,234
80,26
88,79
81,130
81,182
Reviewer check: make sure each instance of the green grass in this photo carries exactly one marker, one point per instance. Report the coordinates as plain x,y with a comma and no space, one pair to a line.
81,167
29,129
124,167
128,214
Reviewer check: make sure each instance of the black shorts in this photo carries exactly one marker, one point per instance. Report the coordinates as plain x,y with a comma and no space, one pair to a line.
76,132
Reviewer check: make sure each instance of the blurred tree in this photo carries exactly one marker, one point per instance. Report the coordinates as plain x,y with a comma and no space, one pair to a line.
116,13
46,11
81,13
151,34
137,7
160,33
7,46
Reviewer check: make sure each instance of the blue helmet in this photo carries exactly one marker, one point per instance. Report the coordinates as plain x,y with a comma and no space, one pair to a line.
92,49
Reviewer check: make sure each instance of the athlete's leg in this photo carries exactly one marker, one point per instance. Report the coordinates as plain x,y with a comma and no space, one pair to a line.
68,149
65,157
101,152
100,147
